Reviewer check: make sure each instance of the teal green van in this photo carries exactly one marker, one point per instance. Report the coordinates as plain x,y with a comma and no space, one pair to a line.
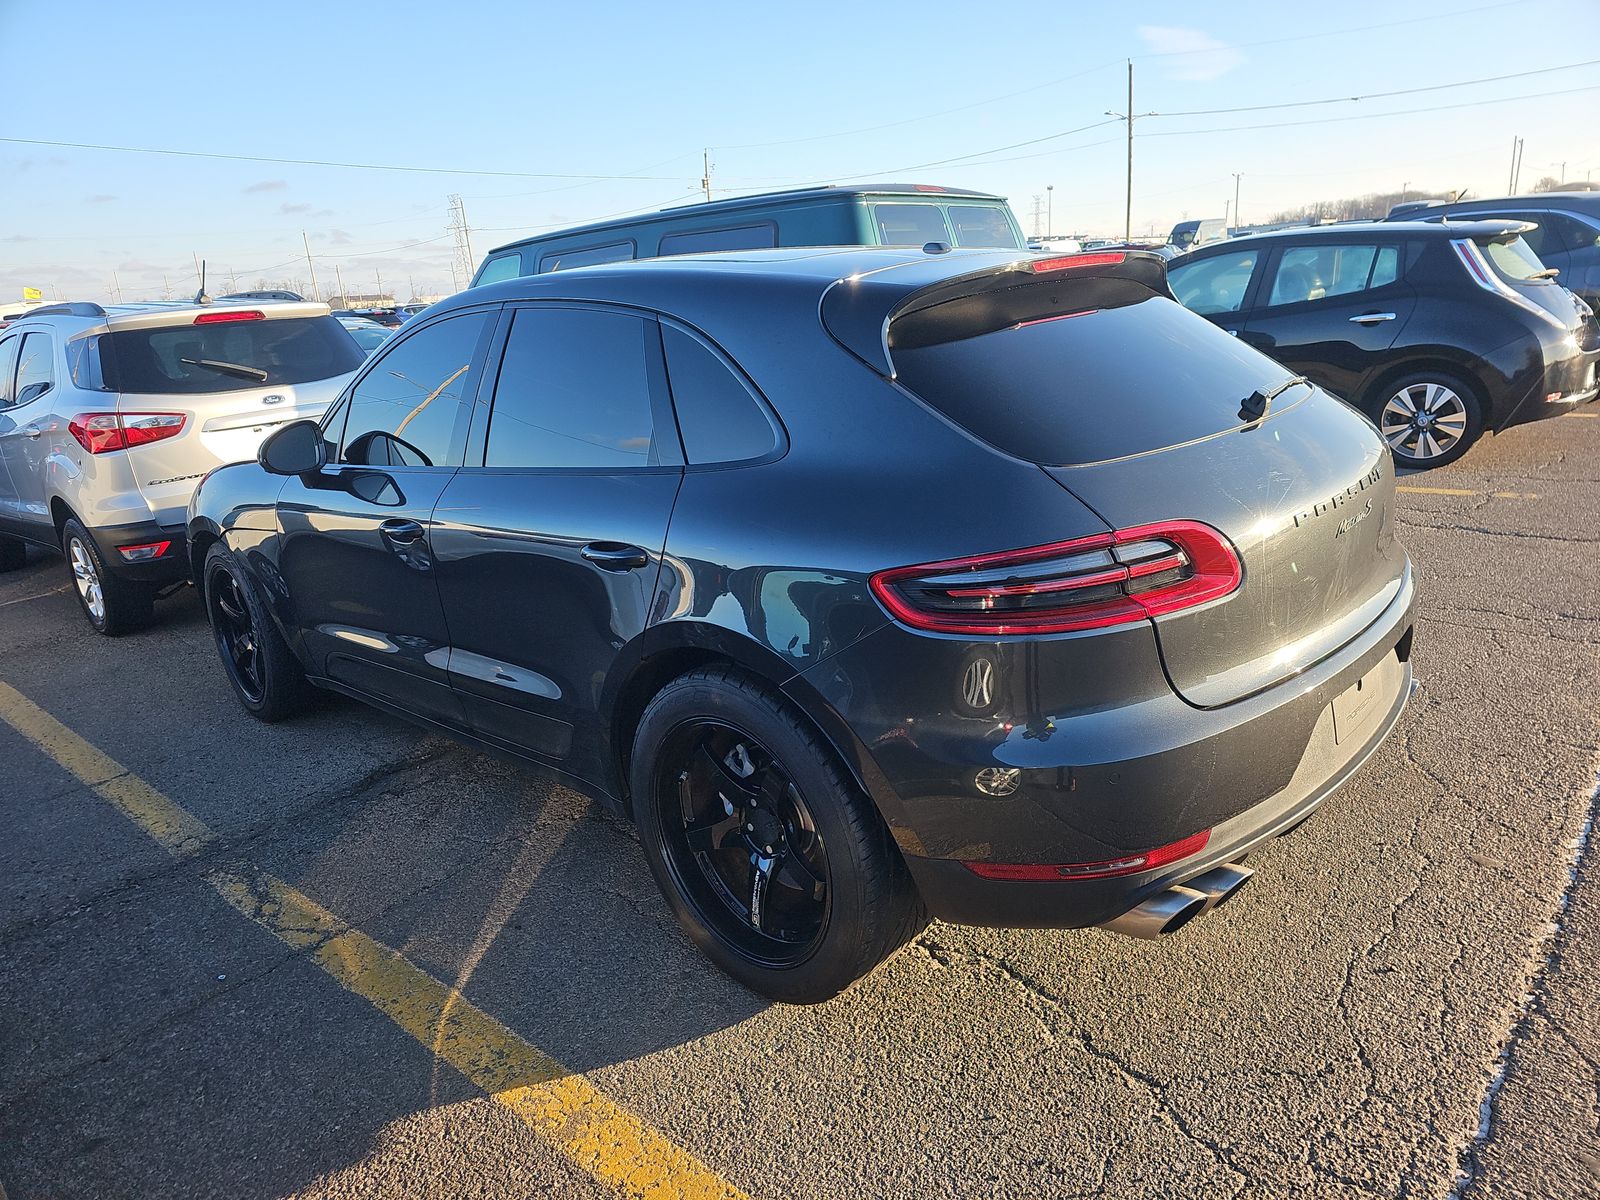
882,215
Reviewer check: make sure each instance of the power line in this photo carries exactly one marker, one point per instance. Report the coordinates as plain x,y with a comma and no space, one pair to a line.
1399,112
318,162
1437,87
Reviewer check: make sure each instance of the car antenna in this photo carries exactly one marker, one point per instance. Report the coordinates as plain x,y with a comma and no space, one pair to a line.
200,297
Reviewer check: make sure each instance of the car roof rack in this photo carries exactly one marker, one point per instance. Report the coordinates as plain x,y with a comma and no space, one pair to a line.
76,308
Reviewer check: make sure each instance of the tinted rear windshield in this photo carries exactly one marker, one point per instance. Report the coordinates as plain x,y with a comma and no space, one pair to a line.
226,357
1086,387
1516,260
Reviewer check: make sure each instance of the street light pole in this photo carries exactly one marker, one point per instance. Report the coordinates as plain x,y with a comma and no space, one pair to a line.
1049,209
1237,175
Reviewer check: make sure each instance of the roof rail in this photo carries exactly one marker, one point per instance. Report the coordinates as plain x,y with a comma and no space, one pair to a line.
77,308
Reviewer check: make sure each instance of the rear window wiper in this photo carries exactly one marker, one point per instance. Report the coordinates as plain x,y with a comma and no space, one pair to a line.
228,368
1254,406
1547,273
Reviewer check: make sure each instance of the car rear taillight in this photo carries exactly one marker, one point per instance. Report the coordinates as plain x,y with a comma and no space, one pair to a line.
1040,266
144,552
1130,864
217,318
102,432
1089,583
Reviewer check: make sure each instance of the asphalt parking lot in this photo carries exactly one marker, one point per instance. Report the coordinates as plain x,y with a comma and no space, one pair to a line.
337,958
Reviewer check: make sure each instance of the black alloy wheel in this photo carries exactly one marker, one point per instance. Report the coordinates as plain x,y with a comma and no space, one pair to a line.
236,635
775,862
741,843
266,676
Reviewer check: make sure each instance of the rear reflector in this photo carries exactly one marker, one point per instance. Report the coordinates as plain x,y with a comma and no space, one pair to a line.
1095,582
145,552
99,433
1132,864
217,318
1040,266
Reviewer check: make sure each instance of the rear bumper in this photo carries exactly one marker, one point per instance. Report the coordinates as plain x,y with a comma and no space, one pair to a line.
171,565
1097,780
954,893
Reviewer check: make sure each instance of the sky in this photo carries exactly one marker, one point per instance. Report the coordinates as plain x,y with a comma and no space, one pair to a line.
541,115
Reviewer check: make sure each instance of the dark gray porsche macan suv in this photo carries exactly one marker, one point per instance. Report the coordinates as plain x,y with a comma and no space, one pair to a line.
871,584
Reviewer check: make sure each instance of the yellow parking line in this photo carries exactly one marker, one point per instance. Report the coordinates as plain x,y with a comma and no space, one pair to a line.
1433,491
1582,416
615,1147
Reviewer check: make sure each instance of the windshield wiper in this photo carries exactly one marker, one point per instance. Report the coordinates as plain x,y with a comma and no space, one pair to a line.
228,368
1547,273
1254,406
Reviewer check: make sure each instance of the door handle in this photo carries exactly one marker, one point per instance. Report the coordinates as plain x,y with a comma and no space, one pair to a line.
612,556
400,531
32,432
1372,318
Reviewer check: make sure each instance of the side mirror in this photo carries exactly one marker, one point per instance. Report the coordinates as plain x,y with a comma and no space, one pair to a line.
296,449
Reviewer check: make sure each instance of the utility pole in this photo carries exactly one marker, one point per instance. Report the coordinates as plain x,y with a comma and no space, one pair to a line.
1049,210
705,177
344,297
1516,164
233,280
1130,117
378,275
1237,175
116,286
310,270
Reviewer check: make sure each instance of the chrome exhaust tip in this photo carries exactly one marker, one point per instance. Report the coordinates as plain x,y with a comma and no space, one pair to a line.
1221,884
1165,912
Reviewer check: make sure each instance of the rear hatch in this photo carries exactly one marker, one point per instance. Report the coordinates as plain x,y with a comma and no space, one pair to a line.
1148,414
1500,260
233,374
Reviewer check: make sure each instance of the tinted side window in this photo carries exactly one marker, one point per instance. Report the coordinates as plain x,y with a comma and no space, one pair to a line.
1318,272
719,419
565,260
745,237
909,224
8,368
574,391
35,368
507,266
408,409
1386,268
982,225
1213,285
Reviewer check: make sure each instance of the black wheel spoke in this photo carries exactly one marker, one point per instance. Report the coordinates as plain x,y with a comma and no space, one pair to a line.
711,834
795,873
729,788
760,885
228,602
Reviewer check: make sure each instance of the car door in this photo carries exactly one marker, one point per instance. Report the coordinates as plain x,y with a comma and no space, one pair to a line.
549,541
1219,285
8,424
25,426
1331,309
355,555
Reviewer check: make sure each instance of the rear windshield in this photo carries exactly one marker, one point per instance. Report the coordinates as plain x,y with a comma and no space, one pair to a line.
1092,386
226,357
1516,260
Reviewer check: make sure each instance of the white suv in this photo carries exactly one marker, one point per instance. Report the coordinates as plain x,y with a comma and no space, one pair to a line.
110,417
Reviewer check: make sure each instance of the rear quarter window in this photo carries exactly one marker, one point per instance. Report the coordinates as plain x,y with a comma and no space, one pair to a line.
700,241
909,224
983,225
589,256
198,359
504,266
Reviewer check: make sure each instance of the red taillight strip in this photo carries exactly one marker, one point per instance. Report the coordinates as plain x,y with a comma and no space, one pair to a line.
101,432
1087,312
217,318
1216,573
1076,261
1130,864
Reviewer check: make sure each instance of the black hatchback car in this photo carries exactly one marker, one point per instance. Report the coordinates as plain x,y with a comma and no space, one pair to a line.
870,583
1437,331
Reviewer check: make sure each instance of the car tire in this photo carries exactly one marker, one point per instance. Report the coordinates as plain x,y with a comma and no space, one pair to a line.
264,673
13,554
718,755
1443,404
113,605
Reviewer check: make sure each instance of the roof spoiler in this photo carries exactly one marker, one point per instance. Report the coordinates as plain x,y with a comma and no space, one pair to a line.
76,308
858,311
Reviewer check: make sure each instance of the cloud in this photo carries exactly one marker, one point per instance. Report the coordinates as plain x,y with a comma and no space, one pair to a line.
268,185
99,198
18,237
289,210
339,237
1191,54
